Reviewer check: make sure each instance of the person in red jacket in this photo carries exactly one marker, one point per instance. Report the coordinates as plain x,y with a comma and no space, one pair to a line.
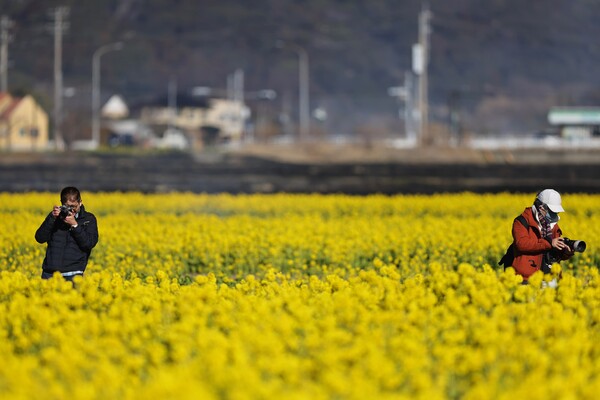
540,244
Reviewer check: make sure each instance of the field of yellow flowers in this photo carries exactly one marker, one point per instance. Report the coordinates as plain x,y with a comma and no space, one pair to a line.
297,296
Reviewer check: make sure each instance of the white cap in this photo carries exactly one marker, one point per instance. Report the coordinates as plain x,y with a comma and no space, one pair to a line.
551,198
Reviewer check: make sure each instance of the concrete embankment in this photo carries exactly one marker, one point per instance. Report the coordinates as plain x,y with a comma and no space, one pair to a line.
255,173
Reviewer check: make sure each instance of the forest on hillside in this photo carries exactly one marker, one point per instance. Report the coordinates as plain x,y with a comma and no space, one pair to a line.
499,64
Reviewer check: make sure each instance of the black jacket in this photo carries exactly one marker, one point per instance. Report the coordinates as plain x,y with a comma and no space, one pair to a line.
68,249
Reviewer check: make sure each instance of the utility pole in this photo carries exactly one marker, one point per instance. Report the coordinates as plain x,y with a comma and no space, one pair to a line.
5,25
96,58
408,107
172,101
303,89
424,32
238,85
59,14
303,96
230,87
238,99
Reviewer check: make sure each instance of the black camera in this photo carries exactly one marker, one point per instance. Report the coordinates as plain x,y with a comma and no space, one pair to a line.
575,245
64,211
552,256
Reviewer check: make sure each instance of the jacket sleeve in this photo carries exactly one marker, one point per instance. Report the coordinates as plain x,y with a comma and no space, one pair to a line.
565,254
527,242
44,232
86,237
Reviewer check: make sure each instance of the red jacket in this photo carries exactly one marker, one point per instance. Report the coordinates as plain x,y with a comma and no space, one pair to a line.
529,245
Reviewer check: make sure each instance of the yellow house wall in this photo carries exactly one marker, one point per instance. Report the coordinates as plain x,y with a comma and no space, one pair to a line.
20,123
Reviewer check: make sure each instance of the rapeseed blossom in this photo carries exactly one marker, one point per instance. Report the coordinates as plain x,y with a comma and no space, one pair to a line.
298,296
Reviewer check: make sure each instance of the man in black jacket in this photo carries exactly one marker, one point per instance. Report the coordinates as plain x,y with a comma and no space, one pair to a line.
71,233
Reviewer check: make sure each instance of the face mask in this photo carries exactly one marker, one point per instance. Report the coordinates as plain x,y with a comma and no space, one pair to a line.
550,215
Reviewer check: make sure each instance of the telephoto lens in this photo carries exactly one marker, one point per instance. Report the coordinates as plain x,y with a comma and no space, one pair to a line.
576,245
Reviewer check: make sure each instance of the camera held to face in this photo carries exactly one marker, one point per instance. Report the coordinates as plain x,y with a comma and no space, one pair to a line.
65,211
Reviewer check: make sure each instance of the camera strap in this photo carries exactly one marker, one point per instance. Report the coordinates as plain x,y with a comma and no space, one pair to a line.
523,221
508,257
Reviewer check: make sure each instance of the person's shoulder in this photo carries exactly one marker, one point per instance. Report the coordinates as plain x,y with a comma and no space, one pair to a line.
527,215
86,214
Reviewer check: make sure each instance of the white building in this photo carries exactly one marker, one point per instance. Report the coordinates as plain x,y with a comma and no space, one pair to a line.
225,119
115,108
576,122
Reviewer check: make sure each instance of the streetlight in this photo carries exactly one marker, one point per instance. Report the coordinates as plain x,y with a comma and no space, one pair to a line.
96,88
303,95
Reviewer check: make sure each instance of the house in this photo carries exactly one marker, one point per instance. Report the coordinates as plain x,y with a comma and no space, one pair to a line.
229,117
113,128
576,122
115,108
203,120
23,124
129,132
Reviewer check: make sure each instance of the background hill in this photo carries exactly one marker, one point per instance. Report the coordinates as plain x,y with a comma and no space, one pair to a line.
501,63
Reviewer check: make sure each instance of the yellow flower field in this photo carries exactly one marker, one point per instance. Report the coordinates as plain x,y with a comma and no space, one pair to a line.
297,296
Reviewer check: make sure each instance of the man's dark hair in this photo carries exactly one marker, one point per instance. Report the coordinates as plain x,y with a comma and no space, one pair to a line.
70,192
